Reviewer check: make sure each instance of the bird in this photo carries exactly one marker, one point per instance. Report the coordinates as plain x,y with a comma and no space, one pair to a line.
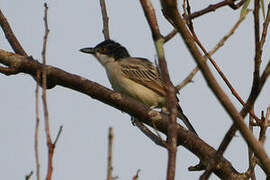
135,77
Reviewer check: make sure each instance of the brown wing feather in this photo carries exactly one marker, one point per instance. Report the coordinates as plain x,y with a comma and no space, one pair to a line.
143,72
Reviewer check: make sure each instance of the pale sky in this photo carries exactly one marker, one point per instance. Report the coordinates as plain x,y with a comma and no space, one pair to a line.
81,152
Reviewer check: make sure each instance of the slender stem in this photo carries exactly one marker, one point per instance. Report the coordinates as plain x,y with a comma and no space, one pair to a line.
105,20
110,154
37,130
170,89
13,41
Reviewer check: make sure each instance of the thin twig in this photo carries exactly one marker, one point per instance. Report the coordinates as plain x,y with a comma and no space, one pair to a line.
220,44
189,78
28,176
214,7
265,27
13,41
155,138
170,89
44,98
137,175
110,154
250,152
37,130
171,10
58,135
105,20
170,35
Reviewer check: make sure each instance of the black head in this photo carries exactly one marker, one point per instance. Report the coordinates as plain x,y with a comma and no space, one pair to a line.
110,48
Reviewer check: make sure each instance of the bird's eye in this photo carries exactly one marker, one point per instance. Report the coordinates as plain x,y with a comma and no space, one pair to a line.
103,50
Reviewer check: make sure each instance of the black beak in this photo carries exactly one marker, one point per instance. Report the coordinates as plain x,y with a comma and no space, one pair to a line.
88,50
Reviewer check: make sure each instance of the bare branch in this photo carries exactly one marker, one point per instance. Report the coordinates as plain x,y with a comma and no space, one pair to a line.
13,41
28,176
265,26
189,78
110,154
170,8
137,175
126,104
156,139
37,130
170,89
58,135
170,35
214,7
105,20
44,98
8,70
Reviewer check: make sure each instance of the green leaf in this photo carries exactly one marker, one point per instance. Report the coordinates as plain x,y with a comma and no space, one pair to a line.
245,8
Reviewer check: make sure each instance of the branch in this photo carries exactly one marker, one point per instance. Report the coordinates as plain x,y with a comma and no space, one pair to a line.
170,8
28,176
265,26
170,89
214,7
13,41
37,130
105,20
136,109
110,154
189,78
155,138
137,175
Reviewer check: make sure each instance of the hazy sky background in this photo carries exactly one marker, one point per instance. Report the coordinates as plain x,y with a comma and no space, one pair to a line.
81,152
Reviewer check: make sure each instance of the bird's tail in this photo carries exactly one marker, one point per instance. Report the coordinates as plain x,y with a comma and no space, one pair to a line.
182,116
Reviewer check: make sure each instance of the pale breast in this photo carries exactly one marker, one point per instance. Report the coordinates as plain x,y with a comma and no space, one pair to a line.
129,87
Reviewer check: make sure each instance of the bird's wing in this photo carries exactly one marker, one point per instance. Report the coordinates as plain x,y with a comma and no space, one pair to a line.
143,72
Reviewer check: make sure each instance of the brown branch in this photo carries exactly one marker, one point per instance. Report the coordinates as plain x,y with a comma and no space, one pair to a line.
8,71
170,8
110,154
105,20
44,98
134,108
13,41
189,78
170,35
225,143
258,48
156,139
37,130
137,175
250,152
265,27
58,135
214,7
257,86
170,89
28,176
265,74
